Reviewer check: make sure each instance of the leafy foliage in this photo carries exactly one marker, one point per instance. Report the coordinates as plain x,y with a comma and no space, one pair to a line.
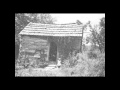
97,38
20,22
83,65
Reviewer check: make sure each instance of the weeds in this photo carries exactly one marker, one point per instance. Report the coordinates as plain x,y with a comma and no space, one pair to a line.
89,63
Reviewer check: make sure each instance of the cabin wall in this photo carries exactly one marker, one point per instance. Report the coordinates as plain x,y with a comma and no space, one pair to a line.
33,50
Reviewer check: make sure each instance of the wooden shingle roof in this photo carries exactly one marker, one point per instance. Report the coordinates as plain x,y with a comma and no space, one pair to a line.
52,29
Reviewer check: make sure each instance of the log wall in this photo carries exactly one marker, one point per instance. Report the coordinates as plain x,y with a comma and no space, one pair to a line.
34,50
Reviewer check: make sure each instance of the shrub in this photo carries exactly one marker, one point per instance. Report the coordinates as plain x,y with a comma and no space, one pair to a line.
71,61
82,65
93,52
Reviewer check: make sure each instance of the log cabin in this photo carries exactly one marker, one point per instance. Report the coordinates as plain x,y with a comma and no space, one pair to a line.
45,43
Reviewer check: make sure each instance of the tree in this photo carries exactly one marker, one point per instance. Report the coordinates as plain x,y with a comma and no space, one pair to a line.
45,19
41,18
102,34
97,38
20,22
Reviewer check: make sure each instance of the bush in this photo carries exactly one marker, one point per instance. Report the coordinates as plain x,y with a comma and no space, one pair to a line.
93,54
71,61
83,65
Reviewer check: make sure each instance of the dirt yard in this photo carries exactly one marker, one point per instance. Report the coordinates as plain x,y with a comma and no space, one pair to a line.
40,72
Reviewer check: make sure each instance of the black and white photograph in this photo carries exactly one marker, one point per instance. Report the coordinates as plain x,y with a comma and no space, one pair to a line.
59,44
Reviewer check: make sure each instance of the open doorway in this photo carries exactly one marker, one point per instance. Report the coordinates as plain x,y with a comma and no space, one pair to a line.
53,52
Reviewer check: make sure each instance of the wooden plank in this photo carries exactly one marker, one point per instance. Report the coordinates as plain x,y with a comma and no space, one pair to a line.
55,32
67,30
51,28
41,34
52,25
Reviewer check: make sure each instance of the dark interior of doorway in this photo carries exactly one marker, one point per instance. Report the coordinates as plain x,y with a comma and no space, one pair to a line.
53,52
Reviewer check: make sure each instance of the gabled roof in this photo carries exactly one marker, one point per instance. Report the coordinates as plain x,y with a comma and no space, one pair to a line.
52,29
